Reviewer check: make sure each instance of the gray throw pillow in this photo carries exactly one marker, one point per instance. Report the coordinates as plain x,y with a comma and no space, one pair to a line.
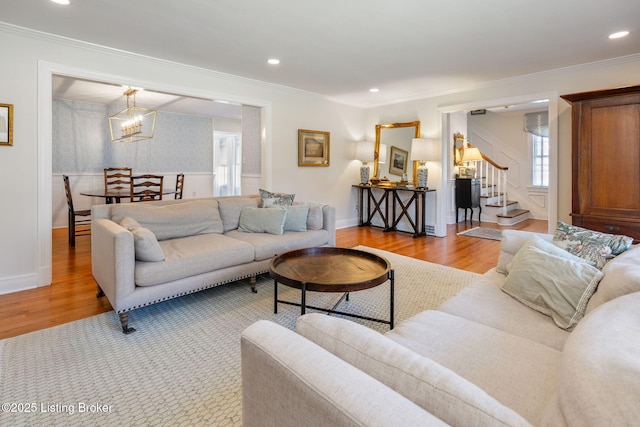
262,220
553,285
145,243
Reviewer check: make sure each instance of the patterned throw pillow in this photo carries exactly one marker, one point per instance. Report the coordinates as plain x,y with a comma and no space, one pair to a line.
270,199
593,246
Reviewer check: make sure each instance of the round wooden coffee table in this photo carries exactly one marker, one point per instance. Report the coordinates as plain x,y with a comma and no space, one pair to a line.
328,269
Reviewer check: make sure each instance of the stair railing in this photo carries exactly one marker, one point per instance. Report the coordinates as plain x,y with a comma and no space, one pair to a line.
495,177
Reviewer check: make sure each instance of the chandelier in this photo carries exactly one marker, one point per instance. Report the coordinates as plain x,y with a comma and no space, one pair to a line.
134,123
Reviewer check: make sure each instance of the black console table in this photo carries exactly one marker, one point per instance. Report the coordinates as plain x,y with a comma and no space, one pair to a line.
468,196
390,207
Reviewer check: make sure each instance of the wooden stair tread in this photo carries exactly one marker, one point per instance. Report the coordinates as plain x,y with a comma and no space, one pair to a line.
489,195
509,203
514,213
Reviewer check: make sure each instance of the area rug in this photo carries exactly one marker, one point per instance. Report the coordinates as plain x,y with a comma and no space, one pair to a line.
182,365
483,233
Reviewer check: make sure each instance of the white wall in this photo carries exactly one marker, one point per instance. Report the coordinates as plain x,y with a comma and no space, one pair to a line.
25,221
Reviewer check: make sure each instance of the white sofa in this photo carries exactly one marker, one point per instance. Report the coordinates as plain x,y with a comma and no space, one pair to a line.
481,359
144,253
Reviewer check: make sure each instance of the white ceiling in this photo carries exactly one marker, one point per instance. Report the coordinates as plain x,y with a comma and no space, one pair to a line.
409,49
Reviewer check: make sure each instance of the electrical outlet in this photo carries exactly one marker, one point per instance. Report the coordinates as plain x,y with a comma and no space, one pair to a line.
193,194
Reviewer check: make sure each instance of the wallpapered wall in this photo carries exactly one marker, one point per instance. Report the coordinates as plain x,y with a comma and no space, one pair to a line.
82,142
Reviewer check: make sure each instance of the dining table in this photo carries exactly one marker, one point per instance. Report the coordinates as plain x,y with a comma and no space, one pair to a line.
115,196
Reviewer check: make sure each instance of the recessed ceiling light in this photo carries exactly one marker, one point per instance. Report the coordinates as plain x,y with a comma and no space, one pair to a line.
65,2
273,61
618,34
374,90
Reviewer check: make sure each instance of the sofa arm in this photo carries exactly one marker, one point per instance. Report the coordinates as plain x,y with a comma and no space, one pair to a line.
289,381
112,260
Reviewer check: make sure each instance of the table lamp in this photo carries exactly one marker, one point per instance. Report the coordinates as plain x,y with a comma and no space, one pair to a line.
364,153
472,154
423,150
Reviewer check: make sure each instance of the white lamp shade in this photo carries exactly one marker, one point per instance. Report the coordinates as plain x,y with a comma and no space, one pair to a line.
423,149
382,153
364,151
471,155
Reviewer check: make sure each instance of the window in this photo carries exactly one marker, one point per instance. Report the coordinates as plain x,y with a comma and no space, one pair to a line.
540,160
227,156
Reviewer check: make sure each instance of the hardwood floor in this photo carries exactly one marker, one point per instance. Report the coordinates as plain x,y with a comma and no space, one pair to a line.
72,294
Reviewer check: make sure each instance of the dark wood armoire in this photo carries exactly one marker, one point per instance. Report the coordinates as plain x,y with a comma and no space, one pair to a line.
606,160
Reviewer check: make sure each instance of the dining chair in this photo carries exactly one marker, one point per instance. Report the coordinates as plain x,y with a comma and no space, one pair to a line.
78,221
116,179
179,185
145,188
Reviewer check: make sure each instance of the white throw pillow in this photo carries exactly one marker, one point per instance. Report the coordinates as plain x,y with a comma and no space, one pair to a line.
553,285
510,244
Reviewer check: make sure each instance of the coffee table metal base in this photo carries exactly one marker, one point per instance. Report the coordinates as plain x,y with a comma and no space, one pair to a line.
303,303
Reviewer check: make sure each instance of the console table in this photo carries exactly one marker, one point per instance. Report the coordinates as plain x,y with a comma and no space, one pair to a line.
391,208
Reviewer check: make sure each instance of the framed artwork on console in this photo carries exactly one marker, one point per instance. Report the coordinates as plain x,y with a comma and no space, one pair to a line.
313,148
6,124
399,159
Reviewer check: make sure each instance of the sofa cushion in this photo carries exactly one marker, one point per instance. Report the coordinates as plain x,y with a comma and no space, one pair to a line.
230,208
190,256
169,221
269,199
545,246
599,374
428,384
262,220
269,245
296,219
484,302
517,372
553,285
596,247
621,277
510,244
145,243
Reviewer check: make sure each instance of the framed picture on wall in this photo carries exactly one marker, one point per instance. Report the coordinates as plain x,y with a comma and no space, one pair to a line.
6,124
313,148
399,159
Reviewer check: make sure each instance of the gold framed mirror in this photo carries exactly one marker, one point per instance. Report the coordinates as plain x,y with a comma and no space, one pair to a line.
458,148
396,136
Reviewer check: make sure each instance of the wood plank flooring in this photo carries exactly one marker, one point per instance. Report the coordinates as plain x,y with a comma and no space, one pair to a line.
72,294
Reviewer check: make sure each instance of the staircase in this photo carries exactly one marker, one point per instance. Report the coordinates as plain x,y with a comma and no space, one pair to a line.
493,195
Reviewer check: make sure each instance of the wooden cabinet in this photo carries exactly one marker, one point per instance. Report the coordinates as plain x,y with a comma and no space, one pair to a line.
606,160
468,196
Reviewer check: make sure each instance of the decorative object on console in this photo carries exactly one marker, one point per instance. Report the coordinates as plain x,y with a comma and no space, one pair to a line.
365,153
471,154
134,123
313,148
423,150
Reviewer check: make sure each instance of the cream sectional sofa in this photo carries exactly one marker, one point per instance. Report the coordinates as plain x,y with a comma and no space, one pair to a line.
481,359
144,253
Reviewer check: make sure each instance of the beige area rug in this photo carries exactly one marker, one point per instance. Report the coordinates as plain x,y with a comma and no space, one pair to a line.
483,233
182,365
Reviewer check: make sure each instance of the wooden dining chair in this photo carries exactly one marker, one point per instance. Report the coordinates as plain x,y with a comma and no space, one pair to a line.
117,179
145,188
179,185
79,222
